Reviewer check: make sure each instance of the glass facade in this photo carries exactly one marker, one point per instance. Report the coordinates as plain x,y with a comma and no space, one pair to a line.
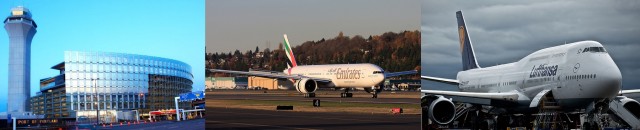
115,81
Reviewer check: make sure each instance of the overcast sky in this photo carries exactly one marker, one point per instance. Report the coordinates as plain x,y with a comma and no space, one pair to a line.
245,24
506,31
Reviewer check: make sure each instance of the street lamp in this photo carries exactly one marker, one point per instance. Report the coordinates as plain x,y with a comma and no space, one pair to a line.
137,115
95,90
177,109
140,95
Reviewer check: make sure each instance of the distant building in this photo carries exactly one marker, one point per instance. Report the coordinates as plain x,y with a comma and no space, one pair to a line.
259,55
268,83
403,84
208,83
228,82
113,83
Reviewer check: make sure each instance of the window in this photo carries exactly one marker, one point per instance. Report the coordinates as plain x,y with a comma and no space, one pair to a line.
378,72
595,49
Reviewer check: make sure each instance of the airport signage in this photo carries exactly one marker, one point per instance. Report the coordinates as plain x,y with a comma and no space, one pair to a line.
316,102
39,122
192,96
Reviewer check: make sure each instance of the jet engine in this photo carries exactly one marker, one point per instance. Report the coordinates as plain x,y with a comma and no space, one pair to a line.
439,109
306,85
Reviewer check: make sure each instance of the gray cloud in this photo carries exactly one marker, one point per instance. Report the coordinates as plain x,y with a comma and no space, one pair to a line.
506,31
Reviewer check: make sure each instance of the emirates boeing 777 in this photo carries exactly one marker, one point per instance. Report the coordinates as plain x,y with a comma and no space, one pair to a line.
308,78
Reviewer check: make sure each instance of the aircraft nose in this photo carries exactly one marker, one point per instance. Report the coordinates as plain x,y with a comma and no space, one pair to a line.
610,80
380,78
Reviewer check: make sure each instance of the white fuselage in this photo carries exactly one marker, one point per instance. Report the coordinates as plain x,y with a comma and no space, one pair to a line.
575,77
342,75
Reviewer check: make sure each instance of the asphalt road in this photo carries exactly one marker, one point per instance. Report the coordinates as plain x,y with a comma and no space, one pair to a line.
194,124
222,118
324,96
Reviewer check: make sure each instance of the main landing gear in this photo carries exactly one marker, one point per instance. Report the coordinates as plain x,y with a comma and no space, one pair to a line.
595,115
346,93
309,95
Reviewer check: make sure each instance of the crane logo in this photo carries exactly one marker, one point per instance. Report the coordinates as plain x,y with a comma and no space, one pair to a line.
462,37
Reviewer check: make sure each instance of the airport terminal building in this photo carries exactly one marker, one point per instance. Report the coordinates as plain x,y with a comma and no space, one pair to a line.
115,84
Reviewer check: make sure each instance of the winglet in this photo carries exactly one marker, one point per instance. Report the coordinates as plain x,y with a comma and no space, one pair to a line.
466,48
289,51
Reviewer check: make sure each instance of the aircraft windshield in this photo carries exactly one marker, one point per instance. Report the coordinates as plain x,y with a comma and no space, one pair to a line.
594,49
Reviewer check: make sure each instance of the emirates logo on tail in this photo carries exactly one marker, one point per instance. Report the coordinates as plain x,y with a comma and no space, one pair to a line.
289,52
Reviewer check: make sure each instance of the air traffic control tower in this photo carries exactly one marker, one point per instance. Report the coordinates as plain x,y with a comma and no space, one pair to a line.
21,29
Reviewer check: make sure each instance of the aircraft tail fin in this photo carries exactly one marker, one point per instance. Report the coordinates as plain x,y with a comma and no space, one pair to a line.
466,48
289,52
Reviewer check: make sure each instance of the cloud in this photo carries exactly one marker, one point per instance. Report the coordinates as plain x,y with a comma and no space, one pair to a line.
506,31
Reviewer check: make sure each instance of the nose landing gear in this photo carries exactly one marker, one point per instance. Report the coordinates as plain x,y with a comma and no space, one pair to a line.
374,90
346,93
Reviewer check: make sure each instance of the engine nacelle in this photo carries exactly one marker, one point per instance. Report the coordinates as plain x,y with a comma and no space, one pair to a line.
439,109
306,85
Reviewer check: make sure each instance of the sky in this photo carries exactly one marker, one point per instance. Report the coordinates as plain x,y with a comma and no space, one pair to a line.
162,28
506,31
245,24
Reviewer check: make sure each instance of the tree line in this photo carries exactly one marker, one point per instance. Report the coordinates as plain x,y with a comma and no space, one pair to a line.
391,51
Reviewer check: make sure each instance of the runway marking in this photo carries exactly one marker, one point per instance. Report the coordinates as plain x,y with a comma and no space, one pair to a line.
325,100
235,123
312,117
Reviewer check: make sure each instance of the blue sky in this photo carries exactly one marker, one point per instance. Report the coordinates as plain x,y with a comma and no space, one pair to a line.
170,29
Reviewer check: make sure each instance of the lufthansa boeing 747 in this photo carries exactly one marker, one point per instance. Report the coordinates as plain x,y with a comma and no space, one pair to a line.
566,80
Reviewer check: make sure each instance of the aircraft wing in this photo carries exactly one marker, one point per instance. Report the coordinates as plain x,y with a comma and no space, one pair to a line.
629,91
392,74
442,80
270,75
495,96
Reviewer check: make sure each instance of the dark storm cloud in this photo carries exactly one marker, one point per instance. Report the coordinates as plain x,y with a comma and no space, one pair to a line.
506,31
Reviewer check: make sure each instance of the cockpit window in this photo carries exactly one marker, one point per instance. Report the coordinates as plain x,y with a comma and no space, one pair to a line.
378,72
594,49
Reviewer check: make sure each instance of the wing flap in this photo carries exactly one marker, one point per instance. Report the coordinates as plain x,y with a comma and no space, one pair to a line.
513,97
270,75
629,91
257,73
393,74
442,80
